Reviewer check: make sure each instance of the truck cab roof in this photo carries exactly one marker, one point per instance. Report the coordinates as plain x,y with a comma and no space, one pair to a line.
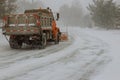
38,11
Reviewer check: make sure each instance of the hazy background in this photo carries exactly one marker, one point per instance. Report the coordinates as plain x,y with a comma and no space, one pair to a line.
56,4
72,12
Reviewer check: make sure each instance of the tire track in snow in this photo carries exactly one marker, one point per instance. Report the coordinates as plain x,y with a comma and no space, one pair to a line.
73,63
22,55
12,56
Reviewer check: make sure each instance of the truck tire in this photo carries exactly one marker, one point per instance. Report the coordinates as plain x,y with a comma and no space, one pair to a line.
57,39
43,42
15,44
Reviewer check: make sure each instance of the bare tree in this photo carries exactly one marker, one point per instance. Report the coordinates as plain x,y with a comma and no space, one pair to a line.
2,8
7,7
11,6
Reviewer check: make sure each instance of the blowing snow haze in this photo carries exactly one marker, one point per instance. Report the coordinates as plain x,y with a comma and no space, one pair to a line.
72,15
72,12
23,5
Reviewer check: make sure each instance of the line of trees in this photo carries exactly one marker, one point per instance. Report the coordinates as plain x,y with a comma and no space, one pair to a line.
7,7
17,6
105,13
74,15
71,15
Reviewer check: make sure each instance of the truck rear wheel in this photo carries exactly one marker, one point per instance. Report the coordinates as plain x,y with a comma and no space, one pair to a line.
15,44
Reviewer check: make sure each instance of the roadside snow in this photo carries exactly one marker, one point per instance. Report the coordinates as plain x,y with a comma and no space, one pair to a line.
112,38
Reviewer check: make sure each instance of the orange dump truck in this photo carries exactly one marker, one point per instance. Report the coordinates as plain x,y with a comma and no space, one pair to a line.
34,27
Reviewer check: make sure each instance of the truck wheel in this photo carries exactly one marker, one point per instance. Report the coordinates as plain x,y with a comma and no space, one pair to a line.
15,44
43,42
57,39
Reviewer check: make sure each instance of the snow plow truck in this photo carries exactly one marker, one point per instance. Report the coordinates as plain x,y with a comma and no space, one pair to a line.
35,27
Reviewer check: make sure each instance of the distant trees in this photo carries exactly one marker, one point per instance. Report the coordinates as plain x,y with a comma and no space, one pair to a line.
11,6
103,13
2,8
72,15
7,7
117,22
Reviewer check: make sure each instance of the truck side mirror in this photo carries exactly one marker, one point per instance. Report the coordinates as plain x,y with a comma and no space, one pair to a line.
58,16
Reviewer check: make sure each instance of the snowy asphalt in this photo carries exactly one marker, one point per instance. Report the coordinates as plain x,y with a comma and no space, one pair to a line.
77,59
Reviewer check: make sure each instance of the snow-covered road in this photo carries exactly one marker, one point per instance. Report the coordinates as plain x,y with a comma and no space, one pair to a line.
112,38
77,59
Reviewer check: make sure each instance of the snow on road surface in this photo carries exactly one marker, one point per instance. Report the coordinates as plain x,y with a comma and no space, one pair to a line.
77,59
112,38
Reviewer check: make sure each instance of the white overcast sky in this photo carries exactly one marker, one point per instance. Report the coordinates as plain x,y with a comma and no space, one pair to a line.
55,4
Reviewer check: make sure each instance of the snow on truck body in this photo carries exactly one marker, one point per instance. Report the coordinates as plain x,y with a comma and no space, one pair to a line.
34,27
20,24
28,23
